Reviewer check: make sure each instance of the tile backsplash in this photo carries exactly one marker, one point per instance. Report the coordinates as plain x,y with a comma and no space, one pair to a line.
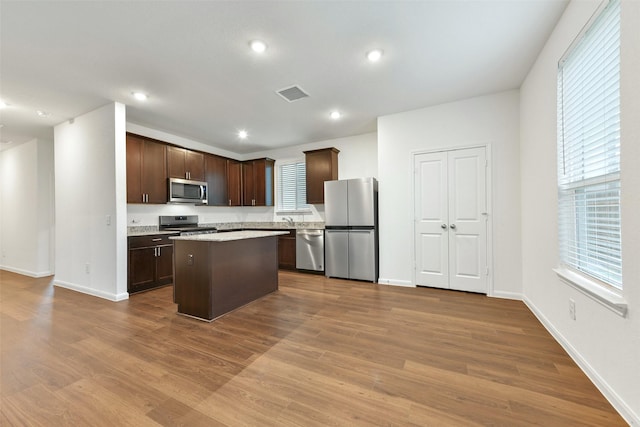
147,215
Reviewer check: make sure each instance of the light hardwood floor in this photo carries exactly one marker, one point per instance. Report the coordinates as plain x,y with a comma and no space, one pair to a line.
318,352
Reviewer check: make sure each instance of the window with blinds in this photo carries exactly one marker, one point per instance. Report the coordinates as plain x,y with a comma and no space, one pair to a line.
292,188
589,151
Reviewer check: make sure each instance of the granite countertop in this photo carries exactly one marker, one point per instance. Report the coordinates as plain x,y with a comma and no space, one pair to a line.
149,232
232,235
146,230
267,225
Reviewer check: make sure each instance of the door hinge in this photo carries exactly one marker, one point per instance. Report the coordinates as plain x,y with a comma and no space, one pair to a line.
486,163
487,271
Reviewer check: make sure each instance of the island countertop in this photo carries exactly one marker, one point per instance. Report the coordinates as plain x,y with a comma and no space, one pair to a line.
229,236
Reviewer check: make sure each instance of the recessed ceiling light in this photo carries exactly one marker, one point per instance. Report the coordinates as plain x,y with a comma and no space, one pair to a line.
335,115
140,96
242,134
42,114
258,46
374,55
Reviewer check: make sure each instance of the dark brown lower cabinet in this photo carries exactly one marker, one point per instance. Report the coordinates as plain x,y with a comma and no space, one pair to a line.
150,262
287,250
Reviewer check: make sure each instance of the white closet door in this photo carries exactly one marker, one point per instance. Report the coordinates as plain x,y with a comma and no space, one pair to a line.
467,220
431,220
450,218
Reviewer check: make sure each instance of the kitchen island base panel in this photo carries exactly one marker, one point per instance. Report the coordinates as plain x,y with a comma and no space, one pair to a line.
214,278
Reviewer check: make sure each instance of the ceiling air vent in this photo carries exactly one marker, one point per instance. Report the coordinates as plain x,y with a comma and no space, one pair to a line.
292,93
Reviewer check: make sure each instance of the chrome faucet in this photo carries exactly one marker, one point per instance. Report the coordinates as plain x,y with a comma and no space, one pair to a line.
288,219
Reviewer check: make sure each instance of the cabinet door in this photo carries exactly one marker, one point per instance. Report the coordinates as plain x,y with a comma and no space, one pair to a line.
194,165
134,169
234,182
287,252
248,184
321,165
164,265
263,179
176,162
216,176
142,267
154,172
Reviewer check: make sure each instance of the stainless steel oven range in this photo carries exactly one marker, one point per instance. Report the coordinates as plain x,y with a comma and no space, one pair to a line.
185,224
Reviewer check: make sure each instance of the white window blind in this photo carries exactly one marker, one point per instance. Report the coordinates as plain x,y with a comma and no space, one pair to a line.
589,151
292,188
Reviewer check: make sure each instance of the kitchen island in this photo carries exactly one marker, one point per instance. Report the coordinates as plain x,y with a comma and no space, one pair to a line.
216,273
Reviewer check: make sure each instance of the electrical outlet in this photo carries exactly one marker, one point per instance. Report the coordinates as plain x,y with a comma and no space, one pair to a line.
572,309
86,268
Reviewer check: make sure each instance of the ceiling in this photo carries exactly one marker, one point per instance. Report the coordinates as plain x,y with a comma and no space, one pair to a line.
204,82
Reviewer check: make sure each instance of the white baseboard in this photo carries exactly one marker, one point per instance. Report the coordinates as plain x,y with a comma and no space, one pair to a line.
395,282
620,405
90,291
506,295
28,273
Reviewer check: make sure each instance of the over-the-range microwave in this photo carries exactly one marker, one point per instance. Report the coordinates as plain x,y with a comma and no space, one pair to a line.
187,191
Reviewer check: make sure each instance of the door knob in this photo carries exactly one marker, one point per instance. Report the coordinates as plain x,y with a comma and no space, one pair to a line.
453,226
443,226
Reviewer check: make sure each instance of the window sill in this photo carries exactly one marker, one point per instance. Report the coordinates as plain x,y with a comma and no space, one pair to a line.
608,298
294,212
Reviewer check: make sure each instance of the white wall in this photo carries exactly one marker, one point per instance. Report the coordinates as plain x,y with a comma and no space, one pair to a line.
491,119
90,165
26,208
357,158
604,344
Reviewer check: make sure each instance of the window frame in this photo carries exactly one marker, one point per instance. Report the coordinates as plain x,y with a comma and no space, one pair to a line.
302,209
576,189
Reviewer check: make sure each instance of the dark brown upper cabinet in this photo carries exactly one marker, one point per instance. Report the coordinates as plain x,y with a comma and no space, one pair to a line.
234,182
146,170
215,174
321,165
257,182
185,164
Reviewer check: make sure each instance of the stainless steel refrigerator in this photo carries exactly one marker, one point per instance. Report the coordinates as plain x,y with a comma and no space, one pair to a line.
351,229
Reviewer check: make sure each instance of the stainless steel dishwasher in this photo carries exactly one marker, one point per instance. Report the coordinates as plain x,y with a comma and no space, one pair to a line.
310,250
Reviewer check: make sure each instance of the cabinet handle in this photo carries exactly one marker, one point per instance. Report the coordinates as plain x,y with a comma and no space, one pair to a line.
229,202
443,226
453,226
142,197
156,239
159,248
